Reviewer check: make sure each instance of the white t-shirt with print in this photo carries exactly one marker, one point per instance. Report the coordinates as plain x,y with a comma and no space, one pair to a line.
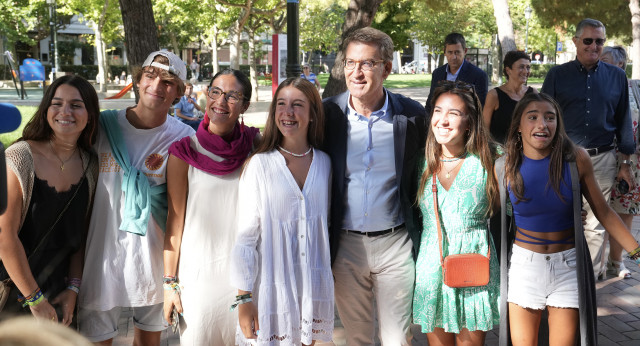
122,268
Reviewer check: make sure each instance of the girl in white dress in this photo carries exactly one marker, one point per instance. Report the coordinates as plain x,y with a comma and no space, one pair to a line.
281,263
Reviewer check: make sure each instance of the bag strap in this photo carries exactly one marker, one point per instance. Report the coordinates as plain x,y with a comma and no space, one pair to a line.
434,189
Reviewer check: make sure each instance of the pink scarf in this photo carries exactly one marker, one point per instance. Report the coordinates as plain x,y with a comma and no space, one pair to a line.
234,152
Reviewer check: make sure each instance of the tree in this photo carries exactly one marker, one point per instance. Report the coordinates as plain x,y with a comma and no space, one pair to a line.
394,17
320,26
360,14
268,8
140,32
16,19
103,16
505,26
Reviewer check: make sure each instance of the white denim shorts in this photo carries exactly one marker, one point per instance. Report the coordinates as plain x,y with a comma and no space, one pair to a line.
538,280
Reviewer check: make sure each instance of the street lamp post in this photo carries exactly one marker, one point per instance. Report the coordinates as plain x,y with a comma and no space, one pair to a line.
53,45
293,42
527,16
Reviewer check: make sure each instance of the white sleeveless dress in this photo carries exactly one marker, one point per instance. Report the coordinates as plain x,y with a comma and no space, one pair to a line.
203,270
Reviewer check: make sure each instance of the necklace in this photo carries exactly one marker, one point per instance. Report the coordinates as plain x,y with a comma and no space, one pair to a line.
448,175
294,154
62,163
452,158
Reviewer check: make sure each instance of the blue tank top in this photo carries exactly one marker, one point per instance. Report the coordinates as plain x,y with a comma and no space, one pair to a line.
542,210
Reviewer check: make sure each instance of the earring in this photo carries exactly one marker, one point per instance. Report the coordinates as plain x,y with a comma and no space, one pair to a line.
242,122
519,141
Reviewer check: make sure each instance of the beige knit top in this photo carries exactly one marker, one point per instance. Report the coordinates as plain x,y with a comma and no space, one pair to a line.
20,161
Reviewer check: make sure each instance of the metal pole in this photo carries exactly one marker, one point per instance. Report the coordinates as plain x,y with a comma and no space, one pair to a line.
293,42
526,40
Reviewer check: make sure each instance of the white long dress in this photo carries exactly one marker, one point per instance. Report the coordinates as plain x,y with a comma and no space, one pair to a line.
282,250
203,271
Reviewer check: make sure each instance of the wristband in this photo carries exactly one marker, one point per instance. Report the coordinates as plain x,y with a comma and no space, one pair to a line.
239,302
634,252
626,162
74,288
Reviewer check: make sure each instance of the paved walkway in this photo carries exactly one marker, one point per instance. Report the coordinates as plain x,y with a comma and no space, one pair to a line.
618,299
618,314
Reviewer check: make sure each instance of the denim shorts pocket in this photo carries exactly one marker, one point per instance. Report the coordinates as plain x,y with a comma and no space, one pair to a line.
570,263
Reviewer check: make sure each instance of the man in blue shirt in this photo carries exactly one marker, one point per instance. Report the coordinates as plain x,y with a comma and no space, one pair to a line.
594,98
457,69
375,139
186,108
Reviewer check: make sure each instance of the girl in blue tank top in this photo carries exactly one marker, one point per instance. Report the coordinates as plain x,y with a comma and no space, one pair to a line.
542,272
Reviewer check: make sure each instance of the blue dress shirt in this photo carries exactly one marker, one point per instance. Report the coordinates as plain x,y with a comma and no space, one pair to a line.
452,77
594,103
372,199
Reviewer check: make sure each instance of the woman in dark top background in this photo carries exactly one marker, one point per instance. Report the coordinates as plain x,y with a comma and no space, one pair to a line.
51,175
501,101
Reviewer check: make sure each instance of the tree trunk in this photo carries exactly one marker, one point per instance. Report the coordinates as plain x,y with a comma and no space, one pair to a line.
253,76
174,44
505,26
634,6
102,70
140,32
215,66
234,47
359,15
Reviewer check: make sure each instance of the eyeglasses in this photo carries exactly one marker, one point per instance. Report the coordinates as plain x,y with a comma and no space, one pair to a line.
365,65
589,41
306,67
231,97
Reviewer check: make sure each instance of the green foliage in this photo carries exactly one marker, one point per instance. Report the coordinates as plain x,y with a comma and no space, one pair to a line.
321,26
540,70
16,20
564,15
94,14
394,17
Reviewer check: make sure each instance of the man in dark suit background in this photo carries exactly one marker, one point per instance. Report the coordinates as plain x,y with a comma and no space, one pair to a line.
375,139
457,69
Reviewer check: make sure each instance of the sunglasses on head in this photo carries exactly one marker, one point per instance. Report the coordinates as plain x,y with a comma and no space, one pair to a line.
588,41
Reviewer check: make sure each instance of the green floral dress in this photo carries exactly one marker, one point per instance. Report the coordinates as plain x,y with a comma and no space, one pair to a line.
464,227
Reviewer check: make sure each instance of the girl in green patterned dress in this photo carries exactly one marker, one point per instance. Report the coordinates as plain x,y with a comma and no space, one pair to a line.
459,153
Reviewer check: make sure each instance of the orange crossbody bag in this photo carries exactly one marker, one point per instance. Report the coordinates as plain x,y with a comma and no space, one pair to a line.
463,270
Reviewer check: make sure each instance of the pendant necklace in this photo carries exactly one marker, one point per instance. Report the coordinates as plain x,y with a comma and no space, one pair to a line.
294,154
448,175
62,163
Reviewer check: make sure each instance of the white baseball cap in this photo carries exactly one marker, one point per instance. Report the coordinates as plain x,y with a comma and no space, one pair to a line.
176,65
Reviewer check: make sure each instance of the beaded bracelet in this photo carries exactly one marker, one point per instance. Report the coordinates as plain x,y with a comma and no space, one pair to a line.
239,302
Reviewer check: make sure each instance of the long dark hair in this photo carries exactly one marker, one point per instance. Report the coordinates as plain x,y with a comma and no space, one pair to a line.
562,148
477,140
38,129
315,133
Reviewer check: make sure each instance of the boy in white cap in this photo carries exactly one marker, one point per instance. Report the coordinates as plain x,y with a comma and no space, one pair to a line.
123,264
